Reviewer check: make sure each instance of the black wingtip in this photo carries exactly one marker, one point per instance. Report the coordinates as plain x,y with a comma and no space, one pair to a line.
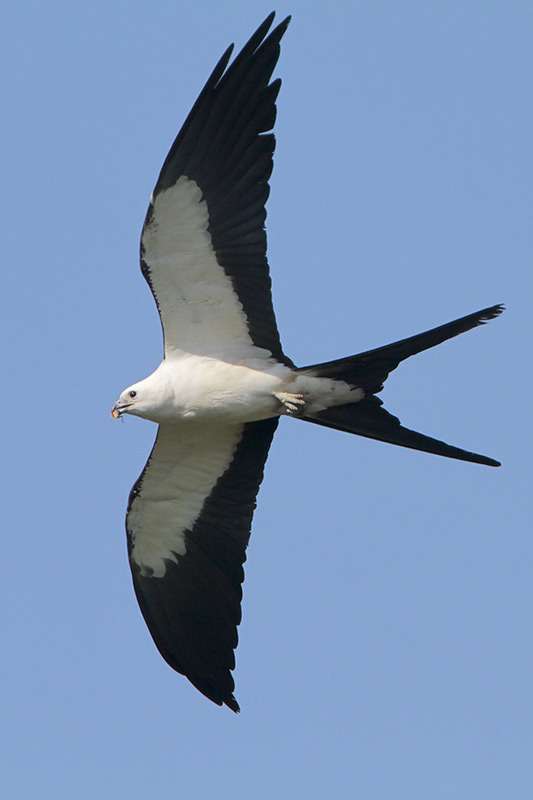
216,687
277,32
270,19
257,38
233,704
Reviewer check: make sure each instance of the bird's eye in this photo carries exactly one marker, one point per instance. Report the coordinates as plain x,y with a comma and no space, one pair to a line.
133,393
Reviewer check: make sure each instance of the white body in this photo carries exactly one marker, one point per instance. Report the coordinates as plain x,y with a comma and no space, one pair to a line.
200,388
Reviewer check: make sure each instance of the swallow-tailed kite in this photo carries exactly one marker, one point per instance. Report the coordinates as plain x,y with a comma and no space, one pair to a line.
224,380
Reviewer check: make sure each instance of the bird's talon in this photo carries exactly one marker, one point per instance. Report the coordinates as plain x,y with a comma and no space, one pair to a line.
293,404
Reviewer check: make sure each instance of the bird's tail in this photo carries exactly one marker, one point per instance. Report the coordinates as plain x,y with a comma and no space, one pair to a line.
370,370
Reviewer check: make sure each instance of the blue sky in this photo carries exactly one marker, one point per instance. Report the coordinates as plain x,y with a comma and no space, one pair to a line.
385,650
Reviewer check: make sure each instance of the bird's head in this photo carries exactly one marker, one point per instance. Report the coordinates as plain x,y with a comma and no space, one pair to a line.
142,399
127,402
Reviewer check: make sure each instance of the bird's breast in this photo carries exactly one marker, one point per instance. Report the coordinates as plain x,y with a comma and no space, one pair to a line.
210,389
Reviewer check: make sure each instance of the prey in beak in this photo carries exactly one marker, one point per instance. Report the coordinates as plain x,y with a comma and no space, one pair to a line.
126,400
117,410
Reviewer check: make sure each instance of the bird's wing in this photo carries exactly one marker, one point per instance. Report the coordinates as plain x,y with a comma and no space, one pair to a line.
188,525
203,246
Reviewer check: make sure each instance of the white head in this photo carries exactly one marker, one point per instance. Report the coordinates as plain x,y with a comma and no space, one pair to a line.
148,399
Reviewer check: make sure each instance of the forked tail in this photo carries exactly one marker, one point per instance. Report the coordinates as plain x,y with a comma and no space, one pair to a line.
370,370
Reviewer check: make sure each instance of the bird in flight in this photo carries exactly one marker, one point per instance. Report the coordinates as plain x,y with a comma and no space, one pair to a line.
224,380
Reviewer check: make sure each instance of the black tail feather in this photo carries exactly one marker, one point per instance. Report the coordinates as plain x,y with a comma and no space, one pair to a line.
368,418
370,370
